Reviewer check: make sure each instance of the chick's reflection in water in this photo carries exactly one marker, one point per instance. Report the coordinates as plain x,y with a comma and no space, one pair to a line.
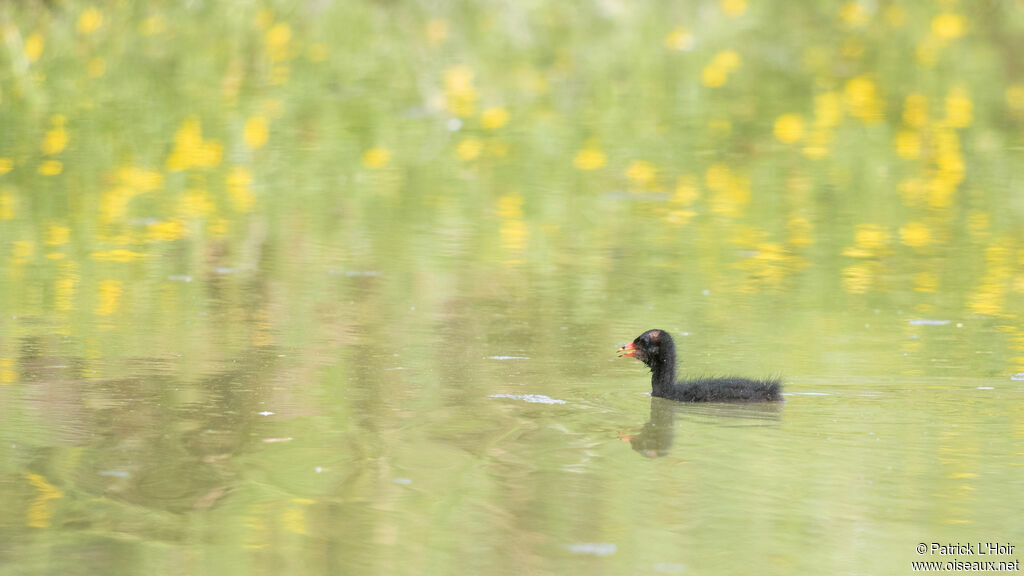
656,437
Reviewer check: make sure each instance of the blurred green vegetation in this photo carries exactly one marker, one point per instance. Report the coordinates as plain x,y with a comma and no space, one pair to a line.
867,151
308,188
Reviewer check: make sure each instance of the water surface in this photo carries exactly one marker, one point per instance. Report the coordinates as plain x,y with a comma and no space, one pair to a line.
336,288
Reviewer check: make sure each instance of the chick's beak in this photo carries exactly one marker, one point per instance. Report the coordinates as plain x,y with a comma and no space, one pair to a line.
627,350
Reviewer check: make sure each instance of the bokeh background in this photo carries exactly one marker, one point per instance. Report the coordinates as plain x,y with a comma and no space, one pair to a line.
265,265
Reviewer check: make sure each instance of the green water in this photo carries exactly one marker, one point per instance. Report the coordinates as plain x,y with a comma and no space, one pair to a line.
336,287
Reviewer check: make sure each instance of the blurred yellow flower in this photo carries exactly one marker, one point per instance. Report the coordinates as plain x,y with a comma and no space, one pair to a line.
294,519
717,176
589,159
217,227
978,223
642,172
1015,97
514,236
460,94
118,255
51,167
727,60
915,110
926,282
8,373
857,279
730,192
109,297
678,218
949,26
6,165
22,251
730,201
915,235
771,252
494,118
97,67
940,190
828,109
767,266
56,138
376,158
510,206
514,233
959,108
40,511
114,203
65,287
7,204
716,73
854,14
872,237
686,192
789,128
862,99
679,39
817,145
950,164
196,204
951,174
870,241
238,182
990,295
255,132
166,231
34,46
89,21
800,231
140,179
734,7
469,148
190,150
437,31
57,234
713,76
277,39
908,144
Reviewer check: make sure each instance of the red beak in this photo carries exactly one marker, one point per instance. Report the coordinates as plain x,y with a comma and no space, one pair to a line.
627,350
